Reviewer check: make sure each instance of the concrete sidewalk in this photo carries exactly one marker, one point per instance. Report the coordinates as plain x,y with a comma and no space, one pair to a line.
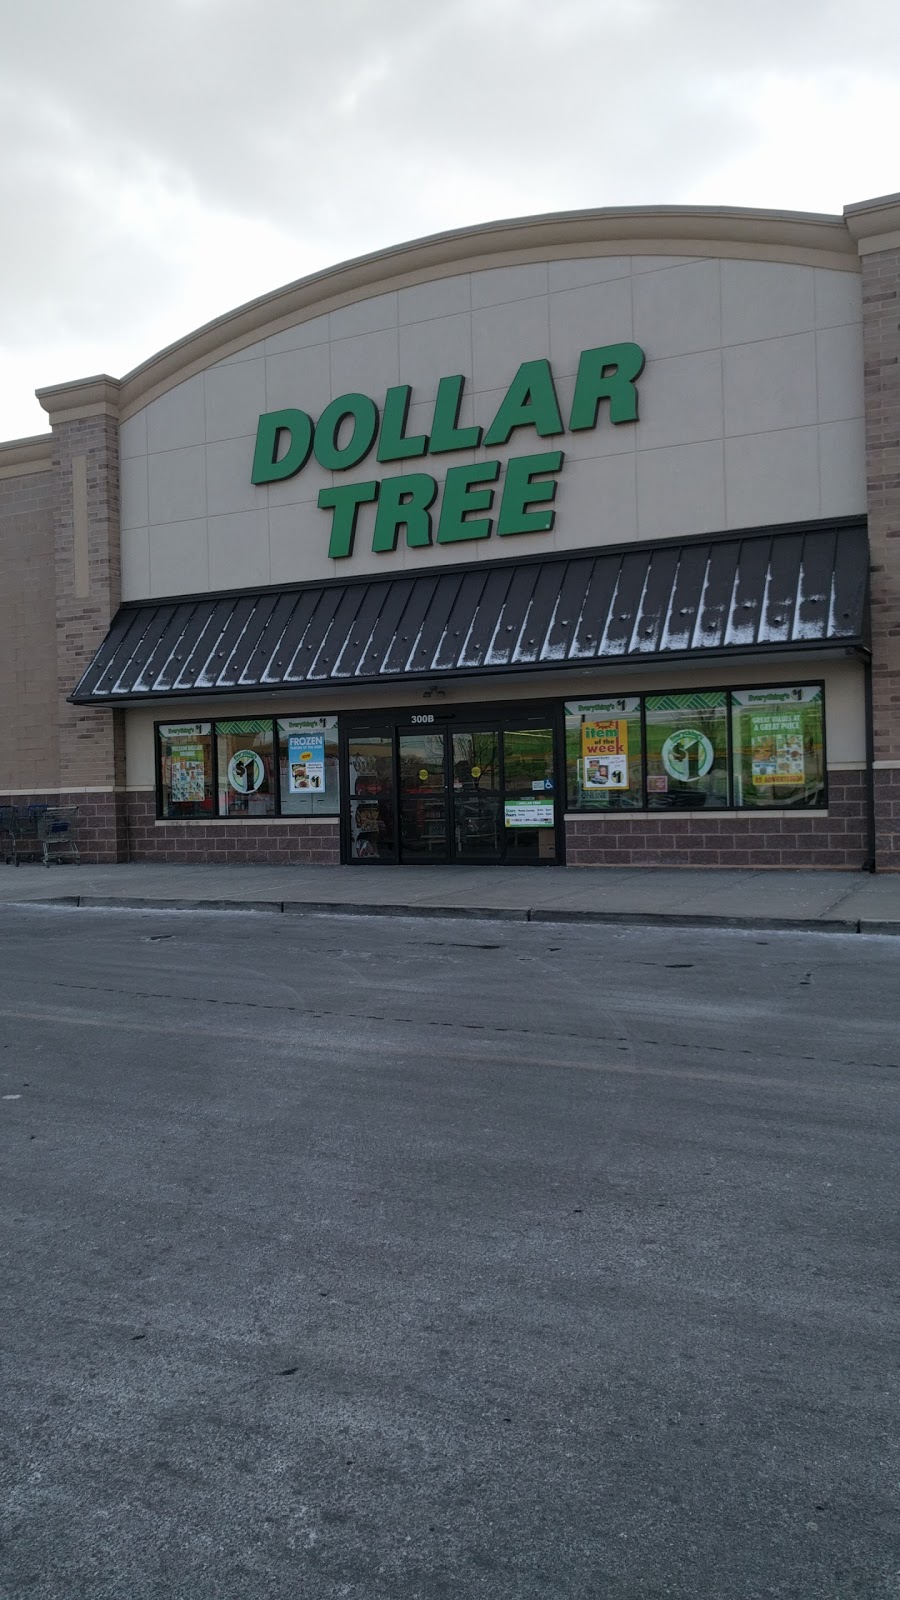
841,902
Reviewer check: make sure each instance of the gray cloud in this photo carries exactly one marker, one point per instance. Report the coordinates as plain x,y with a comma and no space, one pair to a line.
162,162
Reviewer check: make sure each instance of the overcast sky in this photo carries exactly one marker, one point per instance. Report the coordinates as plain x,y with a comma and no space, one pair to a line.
163,162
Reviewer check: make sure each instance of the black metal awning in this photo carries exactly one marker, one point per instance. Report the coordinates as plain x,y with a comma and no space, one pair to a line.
695,600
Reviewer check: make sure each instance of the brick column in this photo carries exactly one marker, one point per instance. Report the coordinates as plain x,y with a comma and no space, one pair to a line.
875,224
84,419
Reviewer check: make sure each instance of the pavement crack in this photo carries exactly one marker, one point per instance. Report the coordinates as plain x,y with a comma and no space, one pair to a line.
833,904
455,1025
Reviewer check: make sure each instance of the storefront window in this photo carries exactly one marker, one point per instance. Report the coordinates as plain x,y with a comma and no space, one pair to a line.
246,768
604,765
752,749
778,743
186,770
687,751
308,759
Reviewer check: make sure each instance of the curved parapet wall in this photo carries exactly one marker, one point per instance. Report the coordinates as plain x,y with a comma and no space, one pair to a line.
797,238
455,399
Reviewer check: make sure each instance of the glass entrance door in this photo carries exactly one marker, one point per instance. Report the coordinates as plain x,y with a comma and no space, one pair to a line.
424,834
477,796
529,795
466,791
371,830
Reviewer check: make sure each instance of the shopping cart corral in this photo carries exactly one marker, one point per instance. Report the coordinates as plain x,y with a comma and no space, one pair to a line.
27,831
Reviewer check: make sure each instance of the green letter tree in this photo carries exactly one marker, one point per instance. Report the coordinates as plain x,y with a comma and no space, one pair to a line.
461,497
404,502
345,500
519,492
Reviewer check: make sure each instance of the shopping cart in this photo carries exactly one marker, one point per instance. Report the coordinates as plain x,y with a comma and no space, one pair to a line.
31,830
7,833
56,832
24,834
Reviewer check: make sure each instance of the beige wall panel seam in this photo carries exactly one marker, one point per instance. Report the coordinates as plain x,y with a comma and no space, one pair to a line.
210,345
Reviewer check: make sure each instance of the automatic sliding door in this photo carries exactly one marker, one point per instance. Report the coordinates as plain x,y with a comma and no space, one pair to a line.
477,818
424,832
529,795
371,830
458,792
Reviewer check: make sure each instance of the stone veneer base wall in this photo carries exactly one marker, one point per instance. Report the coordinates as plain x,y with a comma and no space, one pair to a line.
100,826
123,827
285,842
834,839
887,818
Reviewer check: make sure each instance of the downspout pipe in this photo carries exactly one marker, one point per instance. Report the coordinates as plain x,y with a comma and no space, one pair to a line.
871,836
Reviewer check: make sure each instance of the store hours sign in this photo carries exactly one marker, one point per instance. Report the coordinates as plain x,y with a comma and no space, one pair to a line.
478,498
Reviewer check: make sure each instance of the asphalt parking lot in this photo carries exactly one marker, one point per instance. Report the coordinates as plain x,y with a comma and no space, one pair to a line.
393,1260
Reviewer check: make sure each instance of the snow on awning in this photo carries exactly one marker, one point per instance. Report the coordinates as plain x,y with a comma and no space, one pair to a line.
694,600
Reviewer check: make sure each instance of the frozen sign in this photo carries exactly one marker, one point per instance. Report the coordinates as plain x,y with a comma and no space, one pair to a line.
306,763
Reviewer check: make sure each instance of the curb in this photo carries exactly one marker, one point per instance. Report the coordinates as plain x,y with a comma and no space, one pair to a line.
137,903
332,908
663,919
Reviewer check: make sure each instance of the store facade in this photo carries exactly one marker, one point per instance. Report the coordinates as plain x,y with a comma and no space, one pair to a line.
570,540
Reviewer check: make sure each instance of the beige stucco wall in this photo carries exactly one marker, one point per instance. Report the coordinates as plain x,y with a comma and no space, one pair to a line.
751,408
844,701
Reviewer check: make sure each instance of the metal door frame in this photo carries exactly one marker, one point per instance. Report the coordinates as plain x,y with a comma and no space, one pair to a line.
498,716
428,731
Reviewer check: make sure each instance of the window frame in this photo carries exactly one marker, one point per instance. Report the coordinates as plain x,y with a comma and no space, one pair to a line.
728,690
335,733
760,688
661,811
274,787
639,716
158,775
215,815
570,805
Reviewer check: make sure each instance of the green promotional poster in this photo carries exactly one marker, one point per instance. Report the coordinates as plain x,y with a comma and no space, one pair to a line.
528,813
778,742
776,747
188,773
